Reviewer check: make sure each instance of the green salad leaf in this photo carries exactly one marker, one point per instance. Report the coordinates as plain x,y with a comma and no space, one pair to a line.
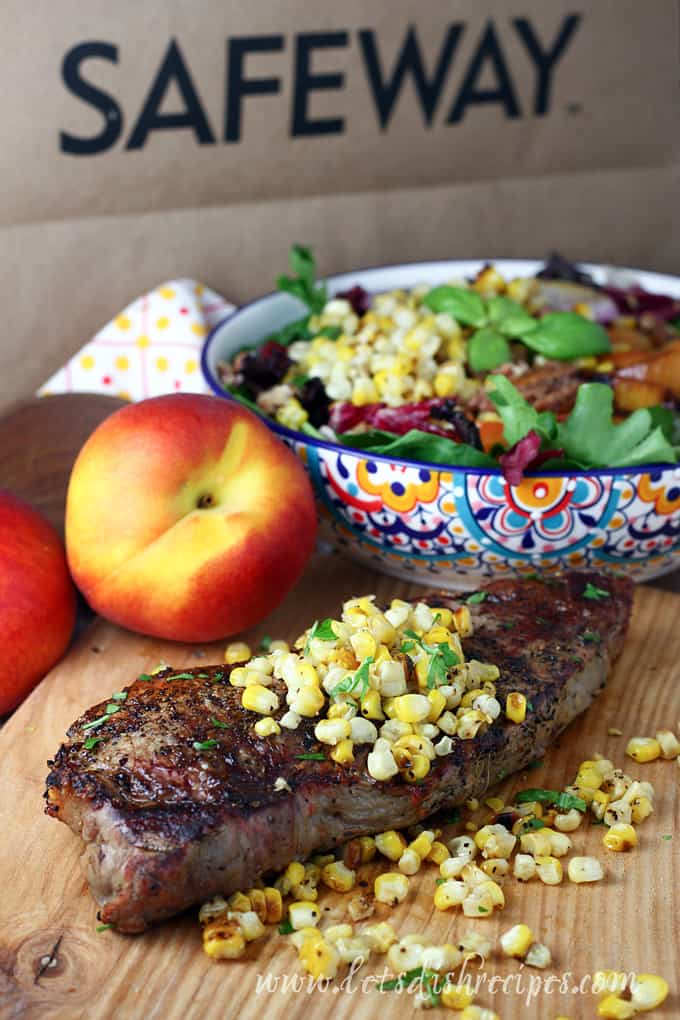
590,437
517,414
417,445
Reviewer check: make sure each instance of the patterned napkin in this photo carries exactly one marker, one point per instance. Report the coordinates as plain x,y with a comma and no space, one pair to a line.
152,347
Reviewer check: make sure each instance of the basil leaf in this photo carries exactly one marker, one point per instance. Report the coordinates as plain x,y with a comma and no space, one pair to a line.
476,598
509,317
487,349
417,445
323,631
591,591
463,305
565,336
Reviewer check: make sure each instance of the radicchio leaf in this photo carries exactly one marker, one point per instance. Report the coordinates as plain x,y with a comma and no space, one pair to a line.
525,455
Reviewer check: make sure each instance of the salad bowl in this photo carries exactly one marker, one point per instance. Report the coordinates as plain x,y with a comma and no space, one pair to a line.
458,526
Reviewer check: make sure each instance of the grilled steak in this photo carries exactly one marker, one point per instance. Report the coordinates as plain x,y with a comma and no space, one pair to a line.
167,823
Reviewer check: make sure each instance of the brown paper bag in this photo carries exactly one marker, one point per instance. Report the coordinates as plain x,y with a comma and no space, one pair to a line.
146,141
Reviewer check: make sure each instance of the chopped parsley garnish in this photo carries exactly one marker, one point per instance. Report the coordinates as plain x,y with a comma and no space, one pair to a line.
96,722
204,745
265,643
188,676
533,823
441,659
482,910
103,927
351,683
563,801
530,705
476,598
145,677
219,724
92,742
112,708
420,974
440,881
216,677
592,592
508,624
119,696
591,637
407,646
321,631
286,928
667,837
311,756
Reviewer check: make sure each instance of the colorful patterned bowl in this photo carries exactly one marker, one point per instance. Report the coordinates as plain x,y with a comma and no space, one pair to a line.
456,528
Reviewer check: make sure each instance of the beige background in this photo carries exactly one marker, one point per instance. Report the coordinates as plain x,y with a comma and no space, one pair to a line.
81,236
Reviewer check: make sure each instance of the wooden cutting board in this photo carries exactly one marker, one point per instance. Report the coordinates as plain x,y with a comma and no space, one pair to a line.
54,964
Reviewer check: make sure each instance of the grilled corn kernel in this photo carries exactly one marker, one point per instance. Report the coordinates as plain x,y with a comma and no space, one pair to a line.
257,902
338,931
462,621
360,907
670,746
343,752
516,707
538,843
538,956
371,705
409,862
303,914
640,808
257,698
463,846
524,867
457,996
319,959
438,852
362,731
482,899
307,701
412,708
273,905
647,991
237,651
584,869
352,949
437,704
364,644
495,841
238,676
549,870
496,867
450,893
216,908
331,731
338,877
391,844
516,941
379,936
588,776
267,727
569,821
560,844
391,887
422,844
417,768
620,837
381,764
643,749
613,1007
470,722
404,956
496,804
251,925
224,940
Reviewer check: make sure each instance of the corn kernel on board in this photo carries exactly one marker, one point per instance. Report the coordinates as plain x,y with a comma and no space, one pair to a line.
53,963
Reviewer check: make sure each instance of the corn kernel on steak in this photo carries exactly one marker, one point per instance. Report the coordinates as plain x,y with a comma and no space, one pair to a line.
166,825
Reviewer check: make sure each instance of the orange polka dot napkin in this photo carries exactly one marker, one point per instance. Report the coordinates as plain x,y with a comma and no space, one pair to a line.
152,347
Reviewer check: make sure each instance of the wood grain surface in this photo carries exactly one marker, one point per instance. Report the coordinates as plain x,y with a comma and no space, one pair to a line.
40,439
53,963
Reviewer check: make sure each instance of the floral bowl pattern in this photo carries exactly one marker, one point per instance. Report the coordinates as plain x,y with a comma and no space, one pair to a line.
457,528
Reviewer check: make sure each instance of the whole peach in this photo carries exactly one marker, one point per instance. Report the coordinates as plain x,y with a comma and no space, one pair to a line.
186,518
37,599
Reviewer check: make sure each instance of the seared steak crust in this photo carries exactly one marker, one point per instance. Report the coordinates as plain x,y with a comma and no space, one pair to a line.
166,824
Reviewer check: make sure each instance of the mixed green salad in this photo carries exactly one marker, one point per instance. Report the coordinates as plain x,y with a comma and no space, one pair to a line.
550,372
